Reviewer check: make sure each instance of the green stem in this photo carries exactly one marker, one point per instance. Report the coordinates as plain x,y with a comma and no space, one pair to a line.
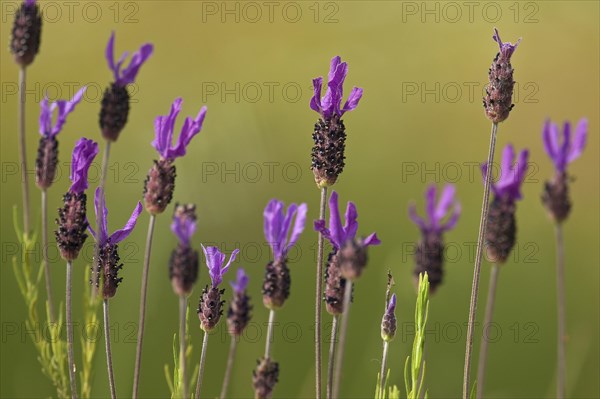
561,386
72,369
343,329
45,256
269,333
23,150
318,297
383,366
109,363
332,346
230,360
182,344
477,267
202,363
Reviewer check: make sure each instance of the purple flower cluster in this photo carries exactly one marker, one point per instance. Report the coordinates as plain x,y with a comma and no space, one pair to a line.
437,212
512,174
64,107
277,224
215,261
126,75
83,154
570,149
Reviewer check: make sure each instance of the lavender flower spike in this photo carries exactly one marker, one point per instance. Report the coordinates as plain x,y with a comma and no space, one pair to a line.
108,256
126,75
183,264
84,153
210,307
388,322
238,314
72,218
501,228
26,33
429,257
277,226
556,192
350,253
47,157
330,133
241,281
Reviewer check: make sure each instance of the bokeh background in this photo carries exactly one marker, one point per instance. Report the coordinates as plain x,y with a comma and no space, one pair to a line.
423,67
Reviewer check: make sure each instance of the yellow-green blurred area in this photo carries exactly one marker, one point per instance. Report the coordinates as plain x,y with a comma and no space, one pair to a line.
423,67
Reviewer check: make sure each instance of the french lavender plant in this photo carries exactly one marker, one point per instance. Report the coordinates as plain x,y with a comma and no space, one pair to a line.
70,235
158,193
345,264
500,234
497,104
24,45
557,202
429,256
210,308
107,264
183,272
238,317
327,164
45,168
388,332
281,237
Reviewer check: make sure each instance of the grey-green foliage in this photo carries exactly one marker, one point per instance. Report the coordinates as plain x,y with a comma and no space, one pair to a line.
386,392
176,380
414,368
52,349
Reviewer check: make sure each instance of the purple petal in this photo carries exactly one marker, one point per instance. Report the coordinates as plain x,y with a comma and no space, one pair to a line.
189,130
241,281
430,197
273,220
412,213
214,261
83,154
445,201
506,49
353,99
335,224
282,234
30,3
231,260
101,216
520,173
110,56
549,137
137,60
449,225
163,129
371,239
391,304
579,140
351,226
184,228
65,108
315,101
506,172
319,225
298,226
123,233
45,118
336,88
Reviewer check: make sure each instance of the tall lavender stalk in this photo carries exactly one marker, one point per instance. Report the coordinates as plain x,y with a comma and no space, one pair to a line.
558,204
109,362
327,164
500,237
388,332
71,356
497,104
210,308
345,265
24,45
158,193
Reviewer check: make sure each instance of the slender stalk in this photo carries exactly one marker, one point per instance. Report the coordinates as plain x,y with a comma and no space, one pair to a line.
339,359
109,364
561,386
182,344
140,338
477,267
202,363
383,364
104,169
269,333
489,311
332,346
70,355
45,256
23,150
230,360
318,297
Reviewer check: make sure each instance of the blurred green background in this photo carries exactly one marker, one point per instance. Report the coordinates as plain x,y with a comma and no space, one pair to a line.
422,67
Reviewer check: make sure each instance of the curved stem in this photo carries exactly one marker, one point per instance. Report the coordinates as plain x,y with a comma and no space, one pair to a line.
230,360
489,311
23,150
109,364
182,345
332,356
383,367
269,333
140,337
477,267
202,363
339,359
318,297
561,310
70,355
45,255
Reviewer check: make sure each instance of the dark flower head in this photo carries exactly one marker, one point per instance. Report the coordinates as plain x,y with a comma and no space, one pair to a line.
241,282
506,49
102,237
437,212
215,260
277,226
570,150
164,126
84,153
388,322
184,222
511,175
330,104
337,234
26,33
128,74
65,107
